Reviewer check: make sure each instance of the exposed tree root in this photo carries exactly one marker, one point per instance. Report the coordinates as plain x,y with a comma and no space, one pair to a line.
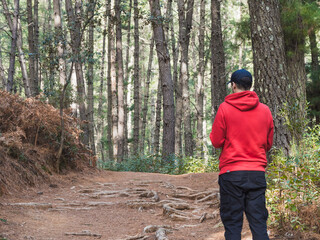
161,234
84,233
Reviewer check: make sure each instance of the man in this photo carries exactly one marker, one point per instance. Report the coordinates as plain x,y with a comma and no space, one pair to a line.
243,128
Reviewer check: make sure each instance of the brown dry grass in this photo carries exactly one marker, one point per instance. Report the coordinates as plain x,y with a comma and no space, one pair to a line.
29,140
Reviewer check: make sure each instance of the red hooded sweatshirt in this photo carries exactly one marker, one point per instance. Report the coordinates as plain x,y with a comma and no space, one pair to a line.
243,128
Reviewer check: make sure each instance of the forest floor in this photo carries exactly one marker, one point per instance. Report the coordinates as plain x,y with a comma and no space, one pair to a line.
116,205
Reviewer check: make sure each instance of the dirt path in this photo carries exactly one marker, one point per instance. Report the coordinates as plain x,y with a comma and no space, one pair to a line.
117,205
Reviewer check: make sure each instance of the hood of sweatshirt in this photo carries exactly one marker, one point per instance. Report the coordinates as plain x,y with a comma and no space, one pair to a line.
244,101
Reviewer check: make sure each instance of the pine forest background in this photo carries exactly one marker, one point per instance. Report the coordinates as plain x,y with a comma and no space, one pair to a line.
145,78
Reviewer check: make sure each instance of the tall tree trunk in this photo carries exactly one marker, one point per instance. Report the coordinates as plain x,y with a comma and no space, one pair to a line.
126,93
113,99
31,46
59,39
100,121
270,69
218,72
314,86
110,46
74,22
314,55
168,139
36,48
121,119
14,32
48,28
146,97
294,42
90,77
200,83
136,79
176,83
3,82
185,25
158,119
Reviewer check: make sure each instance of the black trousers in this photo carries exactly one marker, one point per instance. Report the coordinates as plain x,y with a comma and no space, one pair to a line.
243,191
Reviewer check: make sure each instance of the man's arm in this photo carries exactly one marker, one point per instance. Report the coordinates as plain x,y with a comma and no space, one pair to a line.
218,133
270,134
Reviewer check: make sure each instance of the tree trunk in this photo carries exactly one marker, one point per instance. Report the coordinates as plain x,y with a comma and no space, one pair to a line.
136,79
200,83
90,77
31,46
121,113
314,87
314,54
3,83
100,121
270,69
59,39
294,42
113,85
168,139
146,97
110,46
185,25
14,30
218,72
158,119
176,84
74,22
51,53
36,48
126,93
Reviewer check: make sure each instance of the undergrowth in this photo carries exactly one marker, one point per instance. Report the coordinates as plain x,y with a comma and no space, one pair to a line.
294,185
155,164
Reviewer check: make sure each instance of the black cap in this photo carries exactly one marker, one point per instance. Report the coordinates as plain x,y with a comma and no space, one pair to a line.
237,77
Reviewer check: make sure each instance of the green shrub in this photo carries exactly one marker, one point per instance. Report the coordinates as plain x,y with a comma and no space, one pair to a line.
154,163
293,184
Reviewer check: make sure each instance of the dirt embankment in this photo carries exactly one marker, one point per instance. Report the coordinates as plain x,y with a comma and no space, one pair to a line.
30,134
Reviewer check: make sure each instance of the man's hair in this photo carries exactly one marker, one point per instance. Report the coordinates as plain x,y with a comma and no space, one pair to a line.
245,83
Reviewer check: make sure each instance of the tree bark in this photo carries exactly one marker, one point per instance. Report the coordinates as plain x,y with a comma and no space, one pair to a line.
313,90
36,48
185,25
31,46
119,58
200,83
218,72
168,139
90,77
146,97
158,119
48,28
314,54
294,42
110,46
136,97
59,39
100,121
270,70
74,22
3,83
113,85
176,84
126,92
